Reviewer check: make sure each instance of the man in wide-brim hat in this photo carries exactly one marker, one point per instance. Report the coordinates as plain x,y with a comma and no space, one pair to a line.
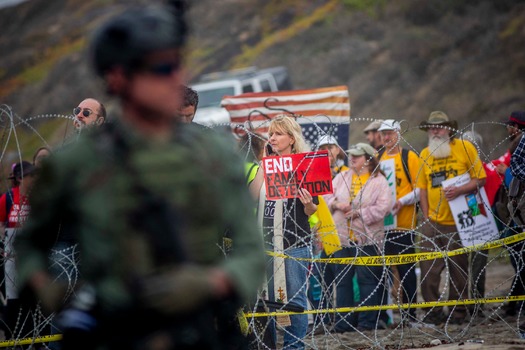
444,158
439,119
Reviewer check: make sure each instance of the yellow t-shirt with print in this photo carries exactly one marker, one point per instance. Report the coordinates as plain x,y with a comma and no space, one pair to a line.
406,217
463,158
358,181
339,169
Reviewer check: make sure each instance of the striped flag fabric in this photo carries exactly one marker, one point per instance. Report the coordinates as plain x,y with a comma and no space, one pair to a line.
322,111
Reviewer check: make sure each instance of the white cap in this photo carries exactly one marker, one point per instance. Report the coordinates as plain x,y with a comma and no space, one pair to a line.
327,140
389,124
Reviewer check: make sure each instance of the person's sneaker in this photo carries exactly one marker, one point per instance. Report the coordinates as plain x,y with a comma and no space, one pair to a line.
381,325
341,330
364,329
481,313
316,329
435,318
510,311
456,320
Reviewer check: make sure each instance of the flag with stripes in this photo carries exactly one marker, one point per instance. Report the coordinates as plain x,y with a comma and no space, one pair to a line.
322,111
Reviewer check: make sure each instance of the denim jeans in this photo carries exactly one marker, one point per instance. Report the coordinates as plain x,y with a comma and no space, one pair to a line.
402,242
296,285
340,276
371,280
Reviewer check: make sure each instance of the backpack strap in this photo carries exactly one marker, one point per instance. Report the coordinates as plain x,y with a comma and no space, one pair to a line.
380,152
516,193
404,161
8,204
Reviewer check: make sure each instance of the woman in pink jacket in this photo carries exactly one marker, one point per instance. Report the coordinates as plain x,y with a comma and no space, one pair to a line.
361,200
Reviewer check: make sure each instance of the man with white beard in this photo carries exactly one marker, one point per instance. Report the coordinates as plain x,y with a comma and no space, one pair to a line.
444,158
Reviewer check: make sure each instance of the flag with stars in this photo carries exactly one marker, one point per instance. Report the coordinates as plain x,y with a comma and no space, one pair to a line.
322,111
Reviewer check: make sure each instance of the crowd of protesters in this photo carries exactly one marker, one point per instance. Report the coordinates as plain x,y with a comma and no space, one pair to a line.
361,204
134,211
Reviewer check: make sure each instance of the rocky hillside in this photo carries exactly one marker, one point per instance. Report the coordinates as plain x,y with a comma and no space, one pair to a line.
400,58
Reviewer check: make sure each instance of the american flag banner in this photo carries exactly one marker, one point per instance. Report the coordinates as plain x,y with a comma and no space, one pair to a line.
322,111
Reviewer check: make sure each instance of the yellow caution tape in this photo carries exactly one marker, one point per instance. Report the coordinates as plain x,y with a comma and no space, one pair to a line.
393,306
57,337
29,341
388,260
371,261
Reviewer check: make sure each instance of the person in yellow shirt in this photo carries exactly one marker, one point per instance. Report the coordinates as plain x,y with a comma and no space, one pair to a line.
400,239
444,158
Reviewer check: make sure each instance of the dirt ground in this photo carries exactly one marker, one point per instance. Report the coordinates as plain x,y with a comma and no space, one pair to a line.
492,330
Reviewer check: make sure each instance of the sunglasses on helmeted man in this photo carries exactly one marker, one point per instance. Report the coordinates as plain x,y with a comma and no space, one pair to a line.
162,69
85,112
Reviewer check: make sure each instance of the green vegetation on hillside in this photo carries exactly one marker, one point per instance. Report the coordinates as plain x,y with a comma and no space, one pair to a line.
249,54
39,70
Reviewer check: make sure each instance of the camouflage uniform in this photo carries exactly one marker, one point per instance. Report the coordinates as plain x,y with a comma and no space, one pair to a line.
139,208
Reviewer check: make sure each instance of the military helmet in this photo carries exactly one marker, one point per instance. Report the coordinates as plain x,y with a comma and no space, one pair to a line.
125,39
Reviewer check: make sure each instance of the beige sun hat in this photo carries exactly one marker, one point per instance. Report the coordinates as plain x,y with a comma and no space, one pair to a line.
361,149
438,118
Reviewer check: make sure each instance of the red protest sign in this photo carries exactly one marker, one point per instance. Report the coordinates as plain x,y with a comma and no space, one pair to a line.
283,175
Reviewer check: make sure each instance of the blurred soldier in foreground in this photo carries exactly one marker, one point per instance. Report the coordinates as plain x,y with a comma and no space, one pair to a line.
149,199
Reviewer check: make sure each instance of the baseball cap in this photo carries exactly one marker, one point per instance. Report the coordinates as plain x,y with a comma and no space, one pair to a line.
373,126
389,124
361,149
22,169
517,118
327,140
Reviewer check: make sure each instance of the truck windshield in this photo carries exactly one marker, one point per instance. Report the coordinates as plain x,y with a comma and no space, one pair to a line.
213,97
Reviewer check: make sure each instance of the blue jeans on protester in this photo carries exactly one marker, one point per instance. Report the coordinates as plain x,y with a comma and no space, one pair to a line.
296,285
340,276
402,242
371,280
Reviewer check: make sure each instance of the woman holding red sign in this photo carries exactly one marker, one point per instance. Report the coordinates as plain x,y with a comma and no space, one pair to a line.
359,204
287,231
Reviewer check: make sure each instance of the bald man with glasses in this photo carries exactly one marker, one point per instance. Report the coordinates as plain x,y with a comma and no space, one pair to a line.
89,112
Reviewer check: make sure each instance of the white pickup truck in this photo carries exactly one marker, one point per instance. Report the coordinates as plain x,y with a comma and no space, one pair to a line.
214,86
